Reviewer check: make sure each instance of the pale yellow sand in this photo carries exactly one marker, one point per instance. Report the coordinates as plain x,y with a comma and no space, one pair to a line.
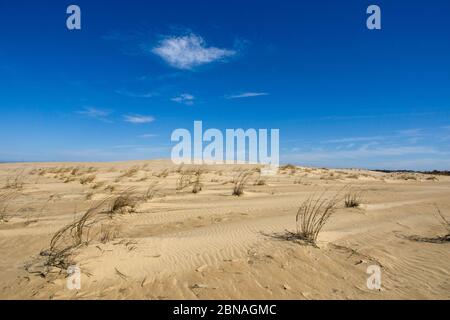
212,245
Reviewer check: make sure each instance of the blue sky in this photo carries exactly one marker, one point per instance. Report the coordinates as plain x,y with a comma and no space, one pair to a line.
341,95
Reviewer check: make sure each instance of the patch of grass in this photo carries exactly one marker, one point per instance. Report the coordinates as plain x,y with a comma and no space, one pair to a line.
5,198
130,173
108,232
125,202
260,182
352,199
87,179
71,237
190,178
241,181
163,174
312,216
98,185
15,182
151,191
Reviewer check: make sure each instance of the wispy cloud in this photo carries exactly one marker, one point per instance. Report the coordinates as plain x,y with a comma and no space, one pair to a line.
247,95
135,95
147,135
138,119
366,152
413,136
411,132
355,139
95,113
185,98
188,52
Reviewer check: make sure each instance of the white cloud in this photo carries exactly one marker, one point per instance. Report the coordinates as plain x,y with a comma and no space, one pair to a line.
135,95
185,98
187,52
247,95
355,139
147,135
138,119
95,113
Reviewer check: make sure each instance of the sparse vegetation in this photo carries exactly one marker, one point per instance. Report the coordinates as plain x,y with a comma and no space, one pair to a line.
125,202
188,178
98,185
312,215
130,173
163,174
444,222
71,237
439,239
151,191
352,199
241,181
87,179
108,232
5,197
15,182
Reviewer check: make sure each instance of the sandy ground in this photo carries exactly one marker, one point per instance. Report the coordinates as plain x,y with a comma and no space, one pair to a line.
176,244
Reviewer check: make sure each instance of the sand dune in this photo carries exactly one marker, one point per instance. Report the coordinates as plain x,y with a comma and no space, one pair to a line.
176,244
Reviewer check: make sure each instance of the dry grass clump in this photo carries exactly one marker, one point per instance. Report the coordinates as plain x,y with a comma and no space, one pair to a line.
130,173
84,229
110,188
125,202
71,237
108,232
312,215
5,198
405,176
241,181
445,223
439,239
190,178
15,182
69,179
260,182
98,185
331,176
163,174
151,191
353,199
87,179
288,168
197,186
